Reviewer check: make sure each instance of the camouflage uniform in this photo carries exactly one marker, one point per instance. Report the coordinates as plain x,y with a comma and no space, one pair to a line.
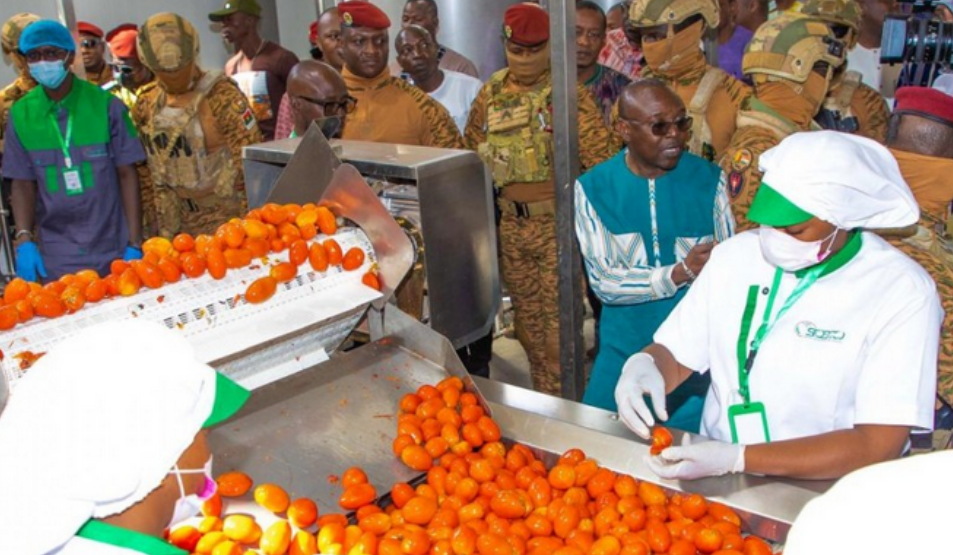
194,139
711,96
850,106
24,83
510,128
783,49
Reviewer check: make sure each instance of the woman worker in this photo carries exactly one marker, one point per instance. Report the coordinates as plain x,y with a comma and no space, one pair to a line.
820,338
102,445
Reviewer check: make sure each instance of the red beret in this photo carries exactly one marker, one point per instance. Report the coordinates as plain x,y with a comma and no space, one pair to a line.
926,101
122,41
358,13
313,33
89,29
526,24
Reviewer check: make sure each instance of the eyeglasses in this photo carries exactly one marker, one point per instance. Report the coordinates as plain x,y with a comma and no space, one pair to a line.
124,69
348,105
47,54
591,36
89,43
662,128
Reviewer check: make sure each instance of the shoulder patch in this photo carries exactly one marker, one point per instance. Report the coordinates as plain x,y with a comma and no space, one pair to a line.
736,183
741,160
248,118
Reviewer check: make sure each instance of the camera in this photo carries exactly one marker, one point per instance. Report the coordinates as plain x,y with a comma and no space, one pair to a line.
918,37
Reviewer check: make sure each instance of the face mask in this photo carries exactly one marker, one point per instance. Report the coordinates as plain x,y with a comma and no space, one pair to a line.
527,69
187,506
791,254
798,103
49,74
676,54
178,81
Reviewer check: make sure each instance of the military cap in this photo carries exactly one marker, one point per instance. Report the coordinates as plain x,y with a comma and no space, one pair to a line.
249,7
86,28
526,24
649,13
10,32
358,13
122,41
925,102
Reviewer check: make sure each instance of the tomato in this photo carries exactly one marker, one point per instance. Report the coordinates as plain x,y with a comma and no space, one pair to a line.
272,497
255,229
233,484
9,317
302,512
183,242
284,272
241,528
302,543
73,298
117,267
416,458
274,214
601,482
318,257
661,440
326,221
651,494
567,519
510,504
276,539
234,234
335,256
708,540
298,252
356,496
185,537
606,545
660,539
158,245
261,290
420,510
372,280
15,291
682,547
149,274
353,259
488,429
215,260
170,270
237,258
562,476
193,265
353,476
129,283
25,310
756,546
694,506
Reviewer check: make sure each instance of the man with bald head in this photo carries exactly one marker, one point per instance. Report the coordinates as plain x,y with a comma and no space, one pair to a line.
317,92
417,56
647,220
425,14
329,37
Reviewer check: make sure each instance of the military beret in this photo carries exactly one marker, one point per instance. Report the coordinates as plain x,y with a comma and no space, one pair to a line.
358,13
313,32
86,28
926,102
526,24
122,41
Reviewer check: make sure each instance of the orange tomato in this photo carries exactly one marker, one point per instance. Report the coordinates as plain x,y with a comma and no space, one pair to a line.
212,507
335,256
416,458
326,221
170,270
708,540
193,265
183,242
493,544
372,280
401,493
241,528
488,429
682,547
25,310
255,229
276,539
659,538
661,440
722,512
9,317
353,476
756,546
185,537
303,543
330,534
73,299
302,512
274,214
651,494
472,435
318,257
234,234
148,273
215,260
211,524
567,519
510,504
237,258
353,259
261,290
298,252
356,496
420,510
606,545
562,476
694,506
129,283
272,497
16,290
284,272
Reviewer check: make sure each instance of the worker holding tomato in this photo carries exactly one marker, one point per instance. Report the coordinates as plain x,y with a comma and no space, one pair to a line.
104,443
821,338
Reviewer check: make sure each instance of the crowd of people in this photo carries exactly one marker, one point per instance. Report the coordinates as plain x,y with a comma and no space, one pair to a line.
684,142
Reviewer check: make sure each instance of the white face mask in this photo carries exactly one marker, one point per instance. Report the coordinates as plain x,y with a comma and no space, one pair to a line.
187,506
791,254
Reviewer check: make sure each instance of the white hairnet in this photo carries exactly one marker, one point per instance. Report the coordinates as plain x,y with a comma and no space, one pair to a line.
94,427
849,181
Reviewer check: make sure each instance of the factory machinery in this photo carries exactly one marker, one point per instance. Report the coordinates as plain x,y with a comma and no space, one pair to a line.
316,410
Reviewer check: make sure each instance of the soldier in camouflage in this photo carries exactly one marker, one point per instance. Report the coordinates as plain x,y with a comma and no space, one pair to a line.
24,83
850,106
791,60
194,125
670,32
510,127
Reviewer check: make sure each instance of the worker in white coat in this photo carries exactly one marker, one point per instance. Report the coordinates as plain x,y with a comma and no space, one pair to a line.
820,337
102,446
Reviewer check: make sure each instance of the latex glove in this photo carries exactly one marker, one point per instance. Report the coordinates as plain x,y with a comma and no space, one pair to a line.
29,261
691,461
132,253
640,377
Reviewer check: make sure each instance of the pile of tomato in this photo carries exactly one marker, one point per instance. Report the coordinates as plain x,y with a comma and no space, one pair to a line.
479,496
270,229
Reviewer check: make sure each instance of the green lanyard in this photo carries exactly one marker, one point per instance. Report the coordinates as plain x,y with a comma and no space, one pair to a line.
767,324
64,142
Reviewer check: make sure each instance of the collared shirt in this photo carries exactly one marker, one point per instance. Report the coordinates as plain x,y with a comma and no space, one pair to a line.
99,538
606,85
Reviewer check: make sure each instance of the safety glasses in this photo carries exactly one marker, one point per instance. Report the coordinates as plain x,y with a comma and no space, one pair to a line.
662,128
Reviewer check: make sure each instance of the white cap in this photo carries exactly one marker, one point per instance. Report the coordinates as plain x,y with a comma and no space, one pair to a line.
892,507
93,427
849,181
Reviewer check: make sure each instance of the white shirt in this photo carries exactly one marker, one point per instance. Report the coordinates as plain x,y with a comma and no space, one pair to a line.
880,77
859,347
456,94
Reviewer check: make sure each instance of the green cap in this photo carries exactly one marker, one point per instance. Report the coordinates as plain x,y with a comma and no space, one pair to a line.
771,208
229,397
249,7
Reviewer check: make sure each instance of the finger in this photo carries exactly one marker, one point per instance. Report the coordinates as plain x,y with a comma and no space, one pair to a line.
644,414
629,417
705,247
672,454
41,268
658,401
661,469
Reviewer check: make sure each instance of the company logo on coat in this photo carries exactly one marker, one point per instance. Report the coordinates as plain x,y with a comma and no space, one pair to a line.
808,330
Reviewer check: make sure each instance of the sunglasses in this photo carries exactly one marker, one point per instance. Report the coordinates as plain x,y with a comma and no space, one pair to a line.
46,54
89,43
348,105
662,128
124,69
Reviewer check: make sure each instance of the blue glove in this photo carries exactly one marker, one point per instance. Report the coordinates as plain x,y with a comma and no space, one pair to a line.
132,253
29,261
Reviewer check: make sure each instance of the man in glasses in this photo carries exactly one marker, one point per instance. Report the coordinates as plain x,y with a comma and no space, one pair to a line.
425,14
604,83
92,48
670,33
317,93
132,77
194,124
851,106
510,128
71,153
417,56
388,109
647,220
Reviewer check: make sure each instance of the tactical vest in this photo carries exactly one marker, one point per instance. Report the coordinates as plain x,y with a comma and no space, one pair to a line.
700,143
519,137
178,158
757,114
836,114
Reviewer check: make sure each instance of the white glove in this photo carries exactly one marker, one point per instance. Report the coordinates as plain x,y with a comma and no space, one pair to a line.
640,376
688,462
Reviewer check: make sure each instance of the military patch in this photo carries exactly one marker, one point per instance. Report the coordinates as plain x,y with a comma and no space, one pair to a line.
248,118
508,31
741,160
347,19
736,182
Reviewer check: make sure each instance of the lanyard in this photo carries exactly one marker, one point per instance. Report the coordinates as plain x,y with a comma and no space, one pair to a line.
767,323
64,142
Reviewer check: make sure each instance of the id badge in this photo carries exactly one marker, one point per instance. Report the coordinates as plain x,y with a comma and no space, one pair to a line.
749,424
73,181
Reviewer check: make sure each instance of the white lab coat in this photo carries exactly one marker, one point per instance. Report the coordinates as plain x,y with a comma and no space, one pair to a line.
859,347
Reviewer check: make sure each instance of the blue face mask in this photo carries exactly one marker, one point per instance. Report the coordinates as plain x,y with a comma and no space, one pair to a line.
49,74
